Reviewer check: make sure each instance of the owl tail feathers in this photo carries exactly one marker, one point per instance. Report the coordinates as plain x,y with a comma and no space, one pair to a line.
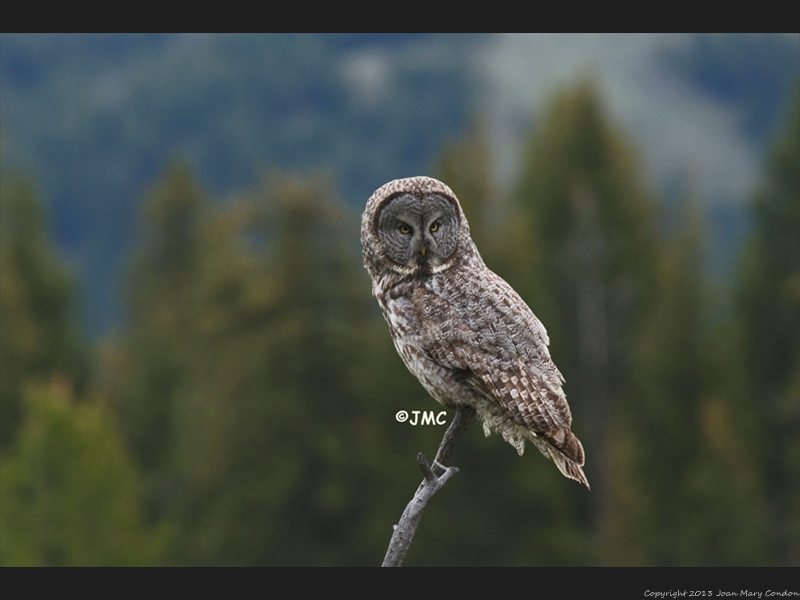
564,449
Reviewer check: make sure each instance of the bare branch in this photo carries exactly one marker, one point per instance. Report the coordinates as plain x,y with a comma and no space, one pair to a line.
435,477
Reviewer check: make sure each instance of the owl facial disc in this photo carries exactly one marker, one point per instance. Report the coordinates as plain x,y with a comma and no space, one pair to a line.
418,232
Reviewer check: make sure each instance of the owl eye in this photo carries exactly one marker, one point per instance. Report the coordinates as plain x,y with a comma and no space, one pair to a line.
435,227
405,228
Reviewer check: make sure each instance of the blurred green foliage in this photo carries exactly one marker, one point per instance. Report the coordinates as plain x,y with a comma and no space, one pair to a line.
39,336
69,492
768,317
244,413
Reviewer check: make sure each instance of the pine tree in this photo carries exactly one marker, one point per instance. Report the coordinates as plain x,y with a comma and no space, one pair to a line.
768,305
274,292
147,366
69,492
585,232
39,335
696,499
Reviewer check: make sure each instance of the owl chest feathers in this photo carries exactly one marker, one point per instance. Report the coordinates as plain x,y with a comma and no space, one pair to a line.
421,325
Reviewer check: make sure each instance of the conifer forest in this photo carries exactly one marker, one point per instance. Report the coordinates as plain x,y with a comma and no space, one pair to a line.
193,370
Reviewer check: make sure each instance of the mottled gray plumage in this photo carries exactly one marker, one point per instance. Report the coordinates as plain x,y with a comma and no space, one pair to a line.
460,329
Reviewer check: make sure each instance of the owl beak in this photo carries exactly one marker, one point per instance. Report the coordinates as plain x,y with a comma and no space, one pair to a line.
423,250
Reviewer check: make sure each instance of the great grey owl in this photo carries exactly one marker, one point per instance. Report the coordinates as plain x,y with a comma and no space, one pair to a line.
460,329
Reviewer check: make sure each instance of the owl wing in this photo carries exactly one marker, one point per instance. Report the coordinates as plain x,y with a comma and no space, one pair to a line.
494,337
501,352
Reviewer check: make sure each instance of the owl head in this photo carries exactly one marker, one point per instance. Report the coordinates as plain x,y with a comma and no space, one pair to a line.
415,226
